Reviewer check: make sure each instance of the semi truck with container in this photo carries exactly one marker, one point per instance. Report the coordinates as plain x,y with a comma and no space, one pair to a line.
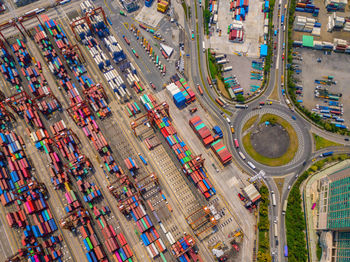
284,207
241,106
273,197
326,154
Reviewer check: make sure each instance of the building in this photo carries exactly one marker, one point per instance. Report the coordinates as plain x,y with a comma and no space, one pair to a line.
252,193
333,213
263,50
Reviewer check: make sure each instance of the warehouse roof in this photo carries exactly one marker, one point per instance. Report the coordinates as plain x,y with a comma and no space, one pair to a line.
167,49
252,193
308,41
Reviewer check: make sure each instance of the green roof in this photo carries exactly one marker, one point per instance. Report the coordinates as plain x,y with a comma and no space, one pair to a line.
308,41
339,204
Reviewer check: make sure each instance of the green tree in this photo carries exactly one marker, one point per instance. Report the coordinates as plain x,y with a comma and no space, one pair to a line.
240,98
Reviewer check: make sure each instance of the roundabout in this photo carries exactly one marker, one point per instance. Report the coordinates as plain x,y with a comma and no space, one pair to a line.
274,140
271,140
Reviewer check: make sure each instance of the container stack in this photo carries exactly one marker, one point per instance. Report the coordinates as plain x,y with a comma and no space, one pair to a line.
186,90
182,249
196,173
162,6
90,190
240,9
111,75
201,130
132,109
307,8
340,45
8,69
148,101
221,152
178,97
304,24
335,5
37,82
148,3
32,213
235,31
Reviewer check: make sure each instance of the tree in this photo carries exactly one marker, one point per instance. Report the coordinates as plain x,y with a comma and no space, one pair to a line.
240,98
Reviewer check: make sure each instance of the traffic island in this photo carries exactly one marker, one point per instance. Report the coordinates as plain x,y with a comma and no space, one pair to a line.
273,142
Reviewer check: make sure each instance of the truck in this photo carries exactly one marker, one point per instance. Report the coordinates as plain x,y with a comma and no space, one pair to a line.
143,159
327,154
273,197
200,89
286,251
203,46
126,40
232,129
241,106
282,20
284,207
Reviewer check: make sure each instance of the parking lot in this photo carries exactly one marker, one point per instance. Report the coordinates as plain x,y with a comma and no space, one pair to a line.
242,69
253,30
334,64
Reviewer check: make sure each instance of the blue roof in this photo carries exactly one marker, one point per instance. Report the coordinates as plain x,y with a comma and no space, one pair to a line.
263,50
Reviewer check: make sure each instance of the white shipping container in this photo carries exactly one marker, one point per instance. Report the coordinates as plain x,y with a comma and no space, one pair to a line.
163,228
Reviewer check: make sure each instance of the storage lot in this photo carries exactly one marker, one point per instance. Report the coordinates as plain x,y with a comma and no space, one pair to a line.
241,68
253,30
323,19
336,65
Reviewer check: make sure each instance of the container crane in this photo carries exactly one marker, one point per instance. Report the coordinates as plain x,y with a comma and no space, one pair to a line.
71,220
20,255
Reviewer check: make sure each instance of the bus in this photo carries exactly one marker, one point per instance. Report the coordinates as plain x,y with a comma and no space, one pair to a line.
284,207
285,251
241,106
273,196
241,155
236,143
251,165
276,230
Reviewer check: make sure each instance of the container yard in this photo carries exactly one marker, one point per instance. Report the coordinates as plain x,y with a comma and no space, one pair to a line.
76,185
323,90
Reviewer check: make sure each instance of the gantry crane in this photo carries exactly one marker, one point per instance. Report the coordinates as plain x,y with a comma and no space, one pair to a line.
71,220
25,18
163,108
20,255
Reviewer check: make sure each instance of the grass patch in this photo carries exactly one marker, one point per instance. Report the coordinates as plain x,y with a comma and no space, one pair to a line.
274,94
286,157
264,226
279,183
321,142
222,88
184,7
249,122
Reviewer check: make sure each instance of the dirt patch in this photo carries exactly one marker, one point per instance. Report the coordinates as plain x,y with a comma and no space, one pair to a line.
222,89
271,141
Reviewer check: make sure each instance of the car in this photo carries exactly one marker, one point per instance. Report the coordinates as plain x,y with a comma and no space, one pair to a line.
276,242
304,163
283,57
241,197
294,118
346,139
153,86
289,187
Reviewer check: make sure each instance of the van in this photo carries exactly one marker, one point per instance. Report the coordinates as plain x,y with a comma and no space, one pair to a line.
228,120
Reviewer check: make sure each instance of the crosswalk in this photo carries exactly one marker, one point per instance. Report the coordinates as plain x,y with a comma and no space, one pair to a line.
268,110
